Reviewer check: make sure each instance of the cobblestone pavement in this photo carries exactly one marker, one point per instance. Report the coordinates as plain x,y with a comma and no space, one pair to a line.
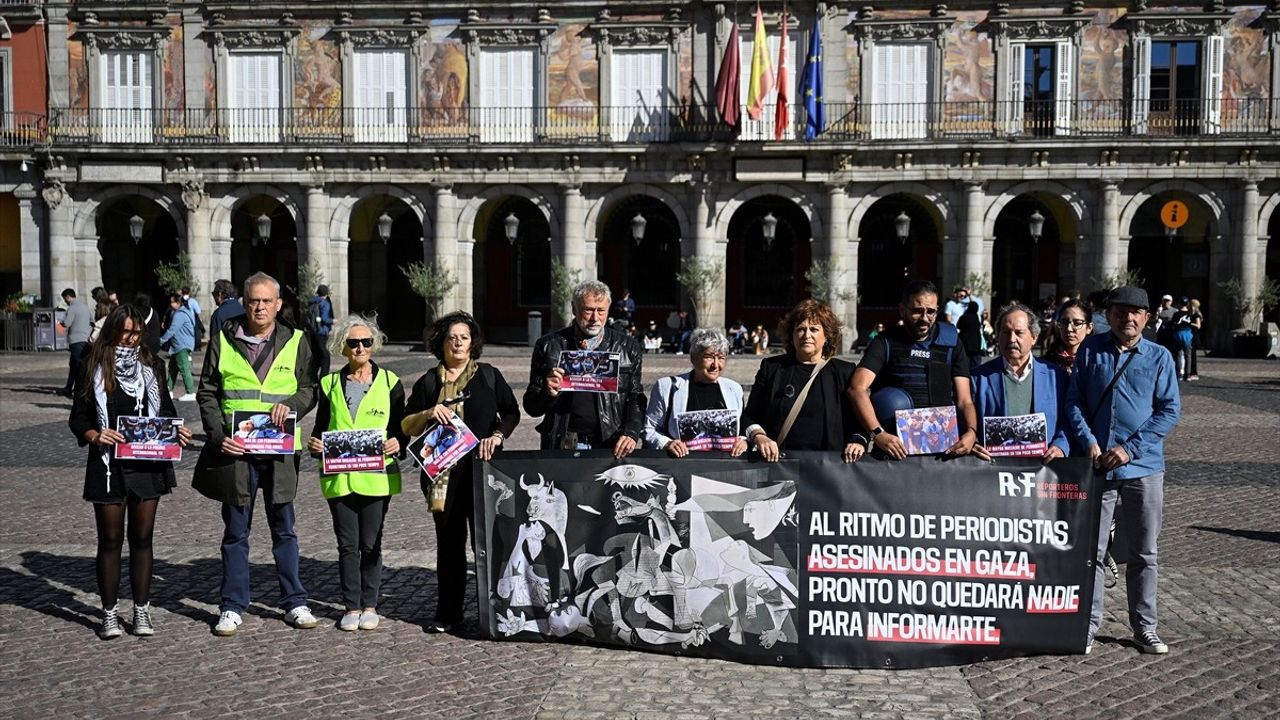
1220,603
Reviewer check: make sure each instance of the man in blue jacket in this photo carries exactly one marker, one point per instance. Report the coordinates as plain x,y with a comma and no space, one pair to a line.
1123,401
1015,383
180,341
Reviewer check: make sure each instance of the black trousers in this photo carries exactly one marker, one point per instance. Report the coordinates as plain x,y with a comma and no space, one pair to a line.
357,521
452,528
75,365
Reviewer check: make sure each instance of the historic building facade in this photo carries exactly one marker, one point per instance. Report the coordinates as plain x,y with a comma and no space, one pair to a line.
1029,146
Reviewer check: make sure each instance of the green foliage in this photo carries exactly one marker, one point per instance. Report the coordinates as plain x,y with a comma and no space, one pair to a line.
824,280
429,280
1120,278
562,282
699,278
1268,296
176,275
310,277
979,285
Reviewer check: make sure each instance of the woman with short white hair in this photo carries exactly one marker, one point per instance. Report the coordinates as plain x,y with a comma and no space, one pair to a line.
701,390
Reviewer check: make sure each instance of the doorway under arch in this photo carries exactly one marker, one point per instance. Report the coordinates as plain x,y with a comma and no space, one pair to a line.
128,266
511,277
646,267
377,284
886,262
264,238
764,279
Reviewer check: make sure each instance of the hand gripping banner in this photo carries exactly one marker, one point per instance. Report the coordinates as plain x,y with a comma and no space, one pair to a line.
807,562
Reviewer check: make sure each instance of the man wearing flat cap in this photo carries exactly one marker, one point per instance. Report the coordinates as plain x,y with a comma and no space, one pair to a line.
1122,402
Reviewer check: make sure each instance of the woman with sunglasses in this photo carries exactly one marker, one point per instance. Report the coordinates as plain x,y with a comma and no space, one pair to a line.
1073,326
122,377
360,396
478,394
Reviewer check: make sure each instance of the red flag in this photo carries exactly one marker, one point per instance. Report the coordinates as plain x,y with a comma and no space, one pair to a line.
729,83
782,114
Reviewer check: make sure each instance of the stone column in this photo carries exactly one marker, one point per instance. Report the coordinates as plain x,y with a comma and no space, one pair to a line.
198,243
708,248
575,242
1107,259
29,224
220,260
62,244
88,269
1247,252
446,244
843,284
974,258
315,248
340,284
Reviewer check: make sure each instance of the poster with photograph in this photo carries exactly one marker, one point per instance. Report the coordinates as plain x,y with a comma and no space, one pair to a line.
260,436
148,438
1016,435
708,429
927,431
442,446
354,451
589,371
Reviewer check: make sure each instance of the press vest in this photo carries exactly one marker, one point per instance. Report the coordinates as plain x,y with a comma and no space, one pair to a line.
241,389
372,414
920,376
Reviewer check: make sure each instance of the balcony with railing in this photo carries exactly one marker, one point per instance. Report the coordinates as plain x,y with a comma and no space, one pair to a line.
604,125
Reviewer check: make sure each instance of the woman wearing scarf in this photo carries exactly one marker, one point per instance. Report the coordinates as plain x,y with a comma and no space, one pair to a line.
122,377
360,396
478,394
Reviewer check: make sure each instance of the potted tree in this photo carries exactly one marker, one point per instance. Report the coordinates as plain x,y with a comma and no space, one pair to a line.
1247,341
432,282
699,278
562,281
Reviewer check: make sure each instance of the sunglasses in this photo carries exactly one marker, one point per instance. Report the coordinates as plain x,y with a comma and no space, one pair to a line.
354,343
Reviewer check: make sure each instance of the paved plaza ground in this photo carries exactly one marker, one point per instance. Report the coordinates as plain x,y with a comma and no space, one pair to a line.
1219,598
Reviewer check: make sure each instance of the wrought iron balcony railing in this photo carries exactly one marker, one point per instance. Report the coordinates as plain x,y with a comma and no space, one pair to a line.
599,125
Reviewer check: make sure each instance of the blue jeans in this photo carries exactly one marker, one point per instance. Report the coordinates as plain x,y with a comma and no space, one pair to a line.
237,520
1142,502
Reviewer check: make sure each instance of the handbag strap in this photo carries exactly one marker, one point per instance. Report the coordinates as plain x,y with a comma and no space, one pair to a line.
795,409
1102,399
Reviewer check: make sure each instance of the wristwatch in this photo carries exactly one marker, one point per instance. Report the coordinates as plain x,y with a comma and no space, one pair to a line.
876,431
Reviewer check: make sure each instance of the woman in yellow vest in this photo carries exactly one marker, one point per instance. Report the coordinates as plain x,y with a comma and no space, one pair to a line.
477,393
360,396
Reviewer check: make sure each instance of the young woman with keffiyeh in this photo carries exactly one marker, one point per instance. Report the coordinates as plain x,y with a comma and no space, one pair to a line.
122,377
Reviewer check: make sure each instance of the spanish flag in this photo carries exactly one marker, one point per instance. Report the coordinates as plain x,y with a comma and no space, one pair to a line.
761,70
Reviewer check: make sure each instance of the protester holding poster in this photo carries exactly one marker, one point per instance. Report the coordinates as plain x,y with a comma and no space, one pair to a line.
702,388
121,377
1015,383
917,364
797,400
585,420
360,396
1124,397
459,386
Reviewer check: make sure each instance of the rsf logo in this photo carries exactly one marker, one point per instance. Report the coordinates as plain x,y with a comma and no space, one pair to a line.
1017,484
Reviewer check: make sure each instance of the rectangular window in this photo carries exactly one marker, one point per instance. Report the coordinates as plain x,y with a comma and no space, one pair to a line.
381,96
505,112
125,109
762,129
1175,86
900,91
253,96
6,82
640,103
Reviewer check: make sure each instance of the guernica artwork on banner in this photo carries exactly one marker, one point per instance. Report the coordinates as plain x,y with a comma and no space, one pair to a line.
148,438
442,446
589,371
261,436
927,431
1016,435
708,429
354,451
806,562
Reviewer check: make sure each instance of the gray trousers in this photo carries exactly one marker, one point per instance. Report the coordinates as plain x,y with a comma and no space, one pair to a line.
1142,505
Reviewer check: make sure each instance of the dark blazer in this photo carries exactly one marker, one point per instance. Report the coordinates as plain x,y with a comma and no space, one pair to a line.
768,404
1049,388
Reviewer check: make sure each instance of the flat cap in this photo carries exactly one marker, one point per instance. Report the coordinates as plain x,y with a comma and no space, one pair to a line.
1131,296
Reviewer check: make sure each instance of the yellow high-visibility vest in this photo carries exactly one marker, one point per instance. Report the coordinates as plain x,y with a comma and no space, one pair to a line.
241,389
372,414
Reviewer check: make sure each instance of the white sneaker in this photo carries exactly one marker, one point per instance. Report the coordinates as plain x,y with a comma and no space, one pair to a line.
301,618
369,620
349,622
189,397
228,623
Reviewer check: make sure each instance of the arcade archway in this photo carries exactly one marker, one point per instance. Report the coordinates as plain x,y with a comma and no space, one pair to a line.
264,238
128,264
1180,262
888,261
377,285
764,278
1033,233
511,270
647,265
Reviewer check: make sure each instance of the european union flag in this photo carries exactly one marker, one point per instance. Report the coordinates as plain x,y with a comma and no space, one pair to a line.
811,86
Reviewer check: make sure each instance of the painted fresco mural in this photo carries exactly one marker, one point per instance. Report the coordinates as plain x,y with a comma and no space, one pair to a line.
1101,79
77,71
573,81
175,84
442,94
1247,64
317,69
968,71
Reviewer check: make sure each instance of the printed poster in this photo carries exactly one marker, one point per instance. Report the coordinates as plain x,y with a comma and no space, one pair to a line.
354,451
1016,435
589,371
442,446
927,431
708,429
261,436
148,438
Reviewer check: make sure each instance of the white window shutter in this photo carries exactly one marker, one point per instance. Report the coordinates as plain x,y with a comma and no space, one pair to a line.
1212,81
639,95
506,95
1064,60
1015,101
1141,83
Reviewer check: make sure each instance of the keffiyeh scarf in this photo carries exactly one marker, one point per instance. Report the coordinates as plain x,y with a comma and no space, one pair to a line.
138,381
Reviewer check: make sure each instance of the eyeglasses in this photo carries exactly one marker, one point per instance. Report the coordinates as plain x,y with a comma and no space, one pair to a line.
354,343
1075,323
254,302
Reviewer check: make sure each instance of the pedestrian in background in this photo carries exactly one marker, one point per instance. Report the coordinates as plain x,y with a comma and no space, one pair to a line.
78,322
228,307
122,377
320,322
179,340
1069,332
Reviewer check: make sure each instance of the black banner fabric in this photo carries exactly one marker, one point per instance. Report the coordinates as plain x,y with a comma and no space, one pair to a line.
807,562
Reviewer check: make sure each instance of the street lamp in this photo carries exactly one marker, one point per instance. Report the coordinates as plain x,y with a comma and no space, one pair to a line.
511,225
263,224
384,227
637,227
135,228
902,226
769,229
1036,225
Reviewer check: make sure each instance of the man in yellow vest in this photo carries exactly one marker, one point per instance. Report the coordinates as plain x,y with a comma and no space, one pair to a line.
257,363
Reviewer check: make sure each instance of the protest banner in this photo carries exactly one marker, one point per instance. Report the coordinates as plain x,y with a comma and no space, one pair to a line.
589,371
148,438
353,451
261,436
441,446
807,562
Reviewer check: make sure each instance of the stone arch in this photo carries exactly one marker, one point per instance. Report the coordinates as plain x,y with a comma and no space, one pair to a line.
816,227
220,216
340,221
593,229
1221,219
938,200
1071,198
1265,211
467,218
87,210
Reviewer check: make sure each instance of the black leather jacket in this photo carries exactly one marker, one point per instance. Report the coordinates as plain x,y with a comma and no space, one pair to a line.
620,413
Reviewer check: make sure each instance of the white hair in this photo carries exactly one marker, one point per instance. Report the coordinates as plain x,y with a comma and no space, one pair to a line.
260,278
338,338
590,287
708,339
